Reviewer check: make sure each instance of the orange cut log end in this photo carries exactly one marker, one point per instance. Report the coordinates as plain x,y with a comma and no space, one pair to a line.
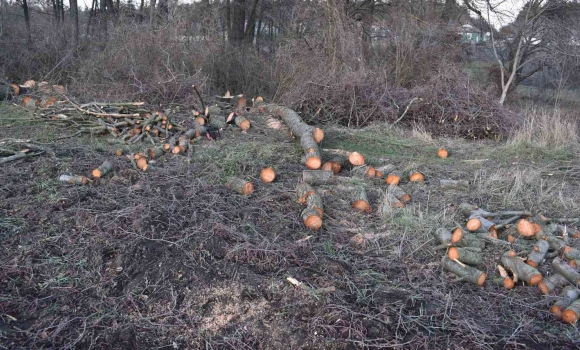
313,222
543,288
318,135
442,153
570,316
16,89
96,173
327,166
313,163
525,228
378,174
142,163
556,311
245,125
268,174
176,150
248,188
508,283
532,263
371,172
481,279
393,179
453,253
417,177
406,198
362,205
535,280
119,152
398,205
457,235
356,159
473,224
200,120
537,228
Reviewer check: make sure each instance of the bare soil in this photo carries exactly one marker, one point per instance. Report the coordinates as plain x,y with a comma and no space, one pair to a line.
170,258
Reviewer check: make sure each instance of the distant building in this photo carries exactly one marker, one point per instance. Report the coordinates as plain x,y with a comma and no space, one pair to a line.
471,34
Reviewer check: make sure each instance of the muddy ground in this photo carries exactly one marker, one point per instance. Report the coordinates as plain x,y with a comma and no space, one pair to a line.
172,259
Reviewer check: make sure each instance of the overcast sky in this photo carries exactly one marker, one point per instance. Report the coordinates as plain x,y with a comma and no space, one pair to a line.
507,9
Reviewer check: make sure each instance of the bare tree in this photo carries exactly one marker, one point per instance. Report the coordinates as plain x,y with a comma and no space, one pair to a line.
74,13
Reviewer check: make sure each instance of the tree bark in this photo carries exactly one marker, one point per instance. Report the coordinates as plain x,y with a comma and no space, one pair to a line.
566,297
467,273
552,283
27,21
249,33
238,20
316,177
566,270
361,201
74,13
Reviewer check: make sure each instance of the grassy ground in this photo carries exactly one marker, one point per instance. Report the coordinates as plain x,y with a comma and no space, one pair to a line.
172,259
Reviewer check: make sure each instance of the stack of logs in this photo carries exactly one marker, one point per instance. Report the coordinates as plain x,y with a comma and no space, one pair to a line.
536,239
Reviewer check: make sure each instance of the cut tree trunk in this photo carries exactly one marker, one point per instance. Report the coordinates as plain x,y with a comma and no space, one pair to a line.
168,147
336,164
399,193
393,178
467,273
566,297
360,200
240,185
314,201
363,171
300,130
303,190
536,257
461,238
74,179
520,269
458,185
218,121
566,270
415,176
391,201
155,152
572,312
242,122
551,283
268,175
182,145
465,255
316,177
443,235
102,170
571,253
356,159
311,218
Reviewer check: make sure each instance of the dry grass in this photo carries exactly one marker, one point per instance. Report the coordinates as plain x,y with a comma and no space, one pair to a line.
546,128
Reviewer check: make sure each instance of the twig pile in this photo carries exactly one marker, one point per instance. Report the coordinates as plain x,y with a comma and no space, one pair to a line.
535,239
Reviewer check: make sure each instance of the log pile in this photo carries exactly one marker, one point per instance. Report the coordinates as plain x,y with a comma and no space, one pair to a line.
529,242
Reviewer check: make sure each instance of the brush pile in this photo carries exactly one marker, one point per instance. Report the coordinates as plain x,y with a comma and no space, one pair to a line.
529,243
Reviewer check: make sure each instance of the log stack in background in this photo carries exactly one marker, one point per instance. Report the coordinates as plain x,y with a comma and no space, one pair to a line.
529,242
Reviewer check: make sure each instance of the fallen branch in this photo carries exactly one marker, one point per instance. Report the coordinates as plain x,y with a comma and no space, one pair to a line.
19,155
